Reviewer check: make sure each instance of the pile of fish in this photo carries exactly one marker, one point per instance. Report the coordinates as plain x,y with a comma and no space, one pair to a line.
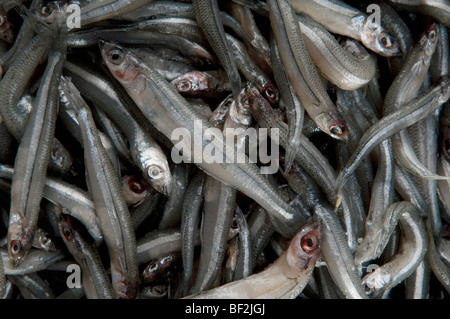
135,140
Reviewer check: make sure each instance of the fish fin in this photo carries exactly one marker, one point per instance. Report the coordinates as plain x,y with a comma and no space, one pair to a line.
291,153
340,181
338,202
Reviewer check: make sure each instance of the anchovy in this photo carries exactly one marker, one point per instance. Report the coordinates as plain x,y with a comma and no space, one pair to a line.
295,112
348,65
135,140
145,151
341,18
285,279
403,89
96,283
411,252
301,71
32,161
111,209
392,123
285,220
208,17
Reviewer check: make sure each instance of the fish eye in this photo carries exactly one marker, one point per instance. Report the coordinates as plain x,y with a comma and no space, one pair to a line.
159,290
67,233
154,172
184,86
270,94
385,40
432,35
16,247
2,20
234,224
116,56
309,243
337,130
136,187
228,102
47,9
154,267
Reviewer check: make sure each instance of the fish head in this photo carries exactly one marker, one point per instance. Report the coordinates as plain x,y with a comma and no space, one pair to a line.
46,242
62,160
16,250
6,28
125,289
225,104
158,267
159,291
152,270
69,230
270,92
156,291
160,178
153,164
429,38
218,116
333,124
375,38
123,65
50,11
136,189
156,170
253,100
19,238
194,83
304,248
239,112
375,282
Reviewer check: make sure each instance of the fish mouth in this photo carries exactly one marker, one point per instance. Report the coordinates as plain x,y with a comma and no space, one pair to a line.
164,187
7,36
165,191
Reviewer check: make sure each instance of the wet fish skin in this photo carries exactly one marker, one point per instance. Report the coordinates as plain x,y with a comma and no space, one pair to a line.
208,17
301,71
284,279
111,208
96,283
341,18
390,124
144,150
32,161
411,252
134,77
